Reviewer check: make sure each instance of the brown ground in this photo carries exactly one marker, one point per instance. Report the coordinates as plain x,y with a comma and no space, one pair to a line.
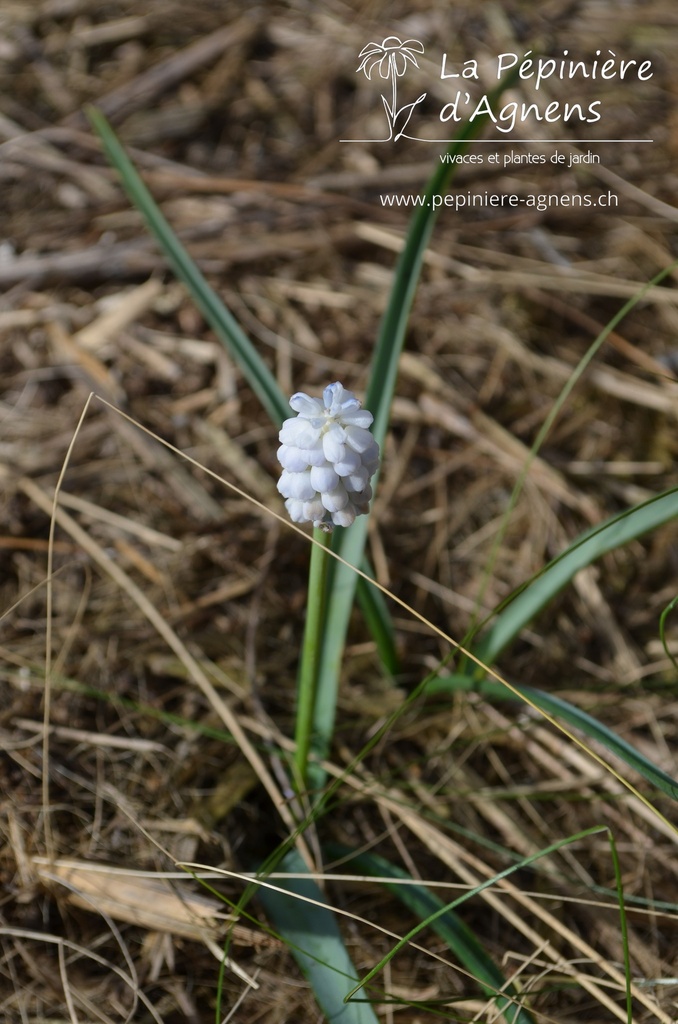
235,114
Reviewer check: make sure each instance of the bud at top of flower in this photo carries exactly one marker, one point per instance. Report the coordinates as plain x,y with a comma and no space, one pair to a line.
328,457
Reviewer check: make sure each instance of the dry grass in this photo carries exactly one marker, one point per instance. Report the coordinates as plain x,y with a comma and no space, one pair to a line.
175,601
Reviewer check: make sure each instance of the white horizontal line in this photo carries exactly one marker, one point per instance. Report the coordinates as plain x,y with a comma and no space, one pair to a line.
580,142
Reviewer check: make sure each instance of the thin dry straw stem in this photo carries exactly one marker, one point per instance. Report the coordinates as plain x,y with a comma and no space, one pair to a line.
173,641
168,635
406,607
47,826
65,983
243,876
57,940
504,887
73,864
471,869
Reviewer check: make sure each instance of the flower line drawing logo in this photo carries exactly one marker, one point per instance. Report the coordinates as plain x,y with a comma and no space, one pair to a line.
391,58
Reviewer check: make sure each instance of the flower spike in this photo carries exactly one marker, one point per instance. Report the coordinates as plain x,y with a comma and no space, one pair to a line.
328,457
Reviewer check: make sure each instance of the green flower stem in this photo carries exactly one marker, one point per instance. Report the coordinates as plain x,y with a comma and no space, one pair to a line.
310,652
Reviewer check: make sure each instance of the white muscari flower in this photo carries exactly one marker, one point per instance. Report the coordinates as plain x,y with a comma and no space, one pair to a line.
328,457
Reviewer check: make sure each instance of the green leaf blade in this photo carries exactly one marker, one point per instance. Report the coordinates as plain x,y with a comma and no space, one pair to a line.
563,710
587,549
350,544
312,934
459,938
222,322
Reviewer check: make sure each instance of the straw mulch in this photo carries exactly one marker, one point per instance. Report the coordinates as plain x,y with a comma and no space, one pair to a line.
234,113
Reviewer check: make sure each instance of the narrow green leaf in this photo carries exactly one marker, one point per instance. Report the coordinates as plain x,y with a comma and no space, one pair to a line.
545,430
350,544
429,921
311,933
623,925
448,925
566,712
222,322
379,622
590,546
662,631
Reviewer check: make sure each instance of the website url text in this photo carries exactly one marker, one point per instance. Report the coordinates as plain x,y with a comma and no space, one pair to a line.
537,201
